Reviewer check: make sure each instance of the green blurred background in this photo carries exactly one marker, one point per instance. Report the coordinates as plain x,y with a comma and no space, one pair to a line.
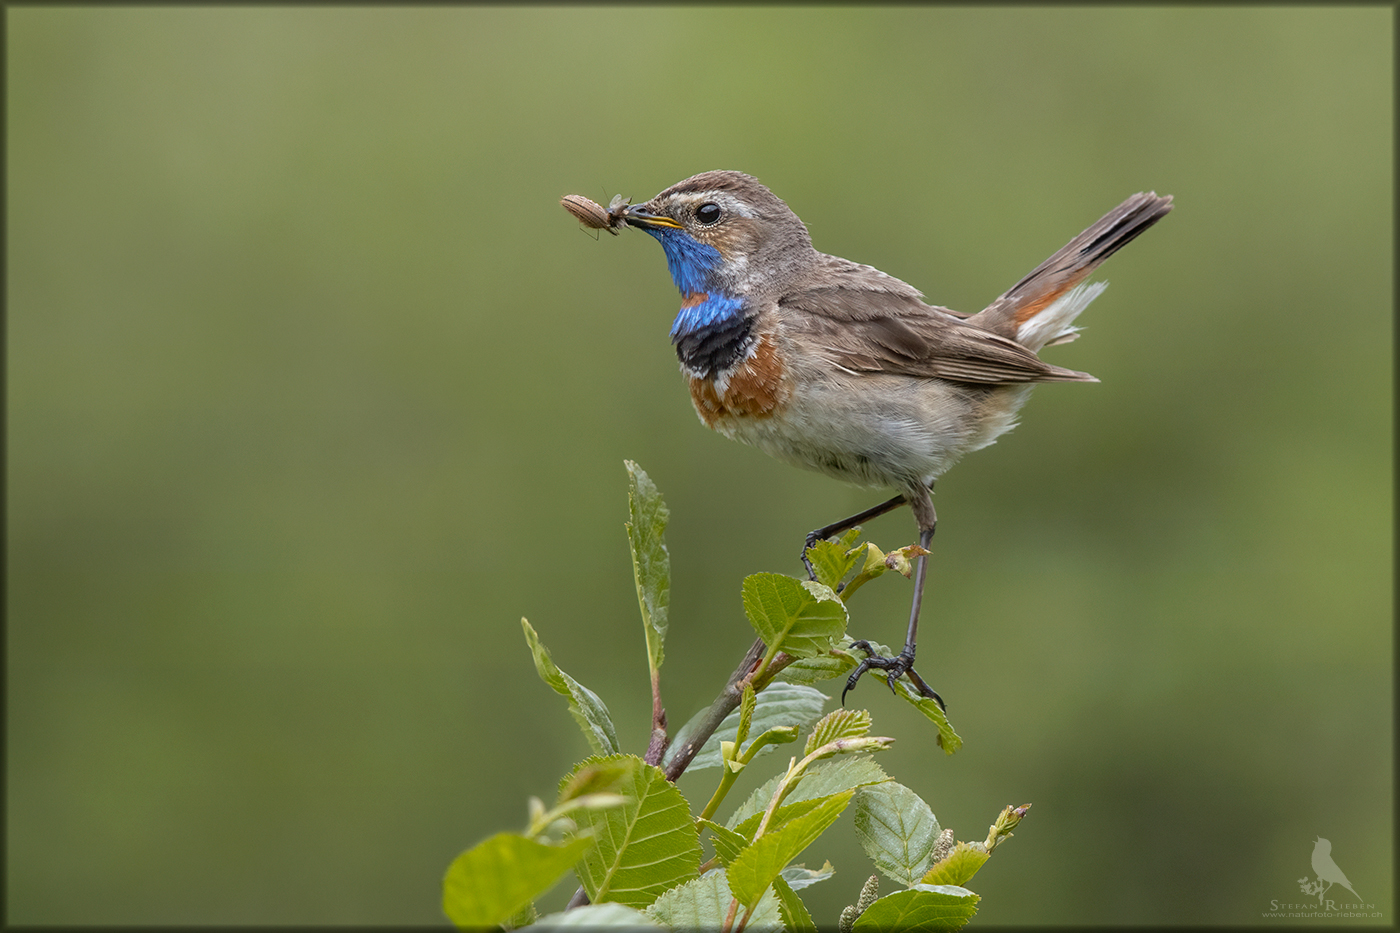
314,391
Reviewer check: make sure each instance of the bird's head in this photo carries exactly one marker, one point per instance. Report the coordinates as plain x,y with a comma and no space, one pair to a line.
724,232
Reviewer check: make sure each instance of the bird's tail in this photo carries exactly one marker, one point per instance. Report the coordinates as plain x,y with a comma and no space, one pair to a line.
1040,309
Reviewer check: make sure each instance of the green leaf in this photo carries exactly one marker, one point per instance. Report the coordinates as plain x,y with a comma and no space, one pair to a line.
754,870
728,843
949,740
958,866
702,904
821,780
522,917
598,917
783,815
651,564
834,663
781,704
796,919
897,829
643,847
799,877
597,776
800,617
495,879
584,705
832,560
838,724
922,907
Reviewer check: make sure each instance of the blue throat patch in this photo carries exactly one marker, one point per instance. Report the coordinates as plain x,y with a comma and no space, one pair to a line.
690,261
692,265
716,310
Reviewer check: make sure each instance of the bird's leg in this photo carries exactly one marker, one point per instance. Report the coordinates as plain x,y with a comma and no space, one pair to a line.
846,524
903,663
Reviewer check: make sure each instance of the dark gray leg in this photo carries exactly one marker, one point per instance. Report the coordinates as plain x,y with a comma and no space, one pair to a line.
903,663
845,524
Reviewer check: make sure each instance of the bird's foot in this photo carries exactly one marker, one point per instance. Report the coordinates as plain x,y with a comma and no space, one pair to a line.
894,668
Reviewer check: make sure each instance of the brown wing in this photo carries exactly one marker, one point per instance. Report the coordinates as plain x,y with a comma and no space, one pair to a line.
891,331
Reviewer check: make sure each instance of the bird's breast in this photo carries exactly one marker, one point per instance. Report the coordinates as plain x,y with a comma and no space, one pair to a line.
757,386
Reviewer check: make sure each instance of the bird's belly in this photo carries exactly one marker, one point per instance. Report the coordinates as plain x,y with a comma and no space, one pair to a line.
874,430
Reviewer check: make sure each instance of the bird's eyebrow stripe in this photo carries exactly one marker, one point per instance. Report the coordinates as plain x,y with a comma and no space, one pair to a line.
730,202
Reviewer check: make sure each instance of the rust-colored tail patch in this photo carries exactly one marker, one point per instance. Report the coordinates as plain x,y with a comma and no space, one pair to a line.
1040,302
1073,263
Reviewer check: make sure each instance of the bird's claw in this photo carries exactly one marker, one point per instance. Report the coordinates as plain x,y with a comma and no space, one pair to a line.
894,668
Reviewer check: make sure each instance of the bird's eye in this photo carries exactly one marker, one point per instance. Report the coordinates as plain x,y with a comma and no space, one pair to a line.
708,213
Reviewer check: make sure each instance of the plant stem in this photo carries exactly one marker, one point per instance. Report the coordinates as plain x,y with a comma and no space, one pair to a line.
794,773
726,781
729,918
656,747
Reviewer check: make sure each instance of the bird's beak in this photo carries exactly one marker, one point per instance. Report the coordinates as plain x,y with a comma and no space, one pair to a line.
639,216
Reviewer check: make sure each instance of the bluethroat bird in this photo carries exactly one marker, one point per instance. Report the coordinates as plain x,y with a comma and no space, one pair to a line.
835,366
